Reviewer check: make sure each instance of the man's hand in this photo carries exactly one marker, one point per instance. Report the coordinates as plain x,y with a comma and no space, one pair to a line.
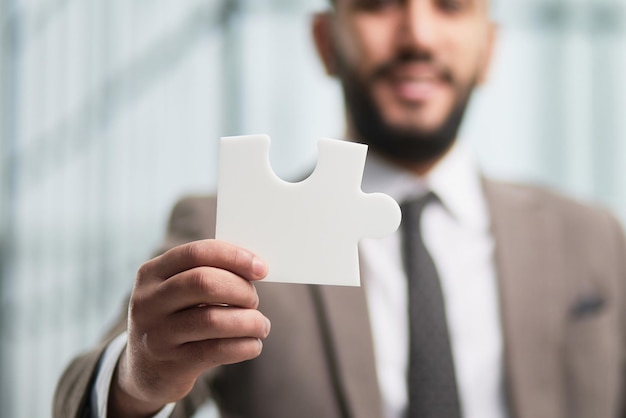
192,308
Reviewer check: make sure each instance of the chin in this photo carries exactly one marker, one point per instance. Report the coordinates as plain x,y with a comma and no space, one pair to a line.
417,119
426,127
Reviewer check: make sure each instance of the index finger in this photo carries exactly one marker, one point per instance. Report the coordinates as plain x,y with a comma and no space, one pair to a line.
208,253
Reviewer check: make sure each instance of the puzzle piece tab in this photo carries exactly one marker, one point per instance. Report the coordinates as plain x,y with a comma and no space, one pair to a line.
308,231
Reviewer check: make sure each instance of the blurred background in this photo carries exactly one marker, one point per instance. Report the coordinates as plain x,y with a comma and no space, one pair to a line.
110,110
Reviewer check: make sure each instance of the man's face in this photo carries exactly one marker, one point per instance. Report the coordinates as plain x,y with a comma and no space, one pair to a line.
408,68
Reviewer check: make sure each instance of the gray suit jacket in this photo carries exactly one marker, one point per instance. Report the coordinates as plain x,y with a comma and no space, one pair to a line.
562,279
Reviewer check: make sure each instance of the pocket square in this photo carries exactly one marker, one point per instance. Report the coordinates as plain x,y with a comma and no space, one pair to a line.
587,305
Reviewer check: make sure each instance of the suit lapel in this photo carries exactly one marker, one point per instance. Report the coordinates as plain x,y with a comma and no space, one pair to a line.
532,305
349,343
530,271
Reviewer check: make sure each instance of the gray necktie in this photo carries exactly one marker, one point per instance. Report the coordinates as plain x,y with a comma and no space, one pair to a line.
431,379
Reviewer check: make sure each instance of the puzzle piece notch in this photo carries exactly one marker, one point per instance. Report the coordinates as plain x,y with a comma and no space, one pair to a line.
308,231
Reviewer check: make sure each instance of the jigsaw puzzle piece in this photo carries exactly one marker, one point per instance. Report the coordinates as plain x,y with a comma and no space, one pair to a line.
308,232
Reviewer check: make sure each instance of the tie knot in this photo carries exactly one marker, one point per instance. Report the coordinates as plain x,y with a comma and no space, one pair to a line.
412,208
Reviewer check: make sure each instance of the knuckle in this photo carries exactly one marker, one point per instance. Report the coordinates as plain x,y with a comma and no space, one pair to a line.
255,324
249,323
235,256
144,272
221,351
193,251
203,280
210,318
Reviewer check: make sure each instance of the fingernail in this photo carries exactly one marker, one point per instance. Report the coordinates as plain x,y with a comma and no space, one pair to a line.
268,327
259,268
260,345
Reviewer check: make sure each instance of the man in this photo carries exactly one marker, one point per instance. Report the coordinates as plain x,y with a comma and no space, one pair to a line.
533,283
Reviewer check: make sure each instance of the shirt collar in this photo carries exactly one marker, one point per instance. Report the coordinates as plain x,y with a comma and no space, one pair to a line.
455,180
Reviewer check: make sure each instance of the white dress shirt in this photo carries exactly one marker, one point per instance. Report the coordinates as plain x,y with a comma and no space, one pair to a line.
457,235
456,232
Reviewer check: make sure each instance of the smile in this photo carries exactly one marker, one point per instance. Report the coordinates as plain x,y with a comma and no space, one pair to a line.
415,82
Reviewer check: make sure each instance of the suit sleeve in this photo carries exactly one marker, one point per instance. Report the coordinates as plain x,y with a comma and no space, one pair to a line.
192,218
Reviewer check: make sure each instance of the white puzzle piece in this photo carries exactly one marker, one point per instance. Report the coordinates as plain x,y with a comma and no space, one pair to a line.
307,232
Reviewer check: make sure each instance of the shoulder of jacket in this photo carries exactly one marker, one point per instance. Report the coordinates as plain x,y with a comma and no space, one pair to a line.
563,204
196,201
192,218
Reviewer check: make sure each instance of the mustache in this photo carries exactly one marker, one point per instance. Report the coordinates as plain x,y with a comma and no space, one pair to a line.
412,57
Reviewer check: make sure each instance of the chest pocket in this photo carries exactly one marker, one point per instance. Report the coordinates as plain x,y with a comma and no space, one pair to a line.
593,363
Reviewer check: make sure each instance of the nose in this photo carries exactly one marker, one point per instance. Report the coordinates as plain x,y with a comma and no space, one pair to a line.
418,25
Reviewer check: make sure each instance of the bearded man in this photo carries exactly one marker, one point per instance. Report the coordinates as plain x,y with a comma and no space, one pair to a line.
492,301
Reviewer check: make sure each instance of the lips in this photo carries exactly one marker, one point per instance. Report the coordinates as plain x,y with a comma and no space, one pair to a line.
417,90
415,83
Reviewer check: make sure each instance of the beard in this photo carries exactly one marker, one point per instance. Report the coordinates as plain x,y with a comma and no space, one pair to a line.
405,144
